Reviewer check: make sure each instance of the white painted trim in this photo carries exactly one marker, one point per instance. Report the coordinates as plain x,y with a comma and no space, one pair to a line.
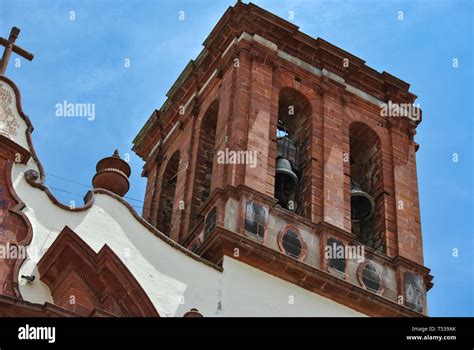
265,42
189,101
228,47
171,131
306,66
161,141
154,148
213,75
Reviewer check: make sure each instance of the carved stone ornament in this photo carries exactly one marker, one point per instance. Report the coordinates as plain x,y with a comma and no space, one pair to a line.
8,123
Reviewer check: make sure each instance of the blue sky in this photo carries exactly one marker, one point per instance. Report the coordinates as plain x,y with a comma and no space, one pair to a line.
82,60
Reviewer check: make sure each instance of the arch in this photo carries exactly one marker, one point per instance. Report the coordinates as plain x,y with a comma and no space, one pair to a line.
293,109
202,180
167,194
366,172
294,144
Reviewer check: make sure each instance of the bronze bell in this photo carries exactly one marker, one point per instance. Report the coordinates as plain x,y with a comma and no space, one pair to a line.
285,183
285,178
362,204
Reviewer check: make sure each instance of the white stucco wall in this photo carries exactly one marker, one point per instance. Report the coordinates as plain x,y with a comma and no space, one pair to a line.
247,291
173,281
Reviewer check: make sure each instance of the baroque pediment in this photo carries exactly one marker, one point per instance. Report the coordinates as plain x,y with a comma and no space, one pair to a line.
84,281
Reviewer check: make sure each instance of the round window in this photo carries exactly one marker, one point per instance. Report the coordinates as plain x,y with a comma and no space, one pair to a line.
370,277
291,243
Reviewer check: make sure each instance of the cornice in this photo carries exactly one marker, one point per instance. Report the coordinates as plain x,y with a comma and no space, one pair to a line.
244,21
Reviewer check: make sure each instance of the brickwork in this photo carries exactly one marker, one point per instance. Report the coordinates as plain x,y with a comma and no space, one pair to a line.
247,82
204,162
167,203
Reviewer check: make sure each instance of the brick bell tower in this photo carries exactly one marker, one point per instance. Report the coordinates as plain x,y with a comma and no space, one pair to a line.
276,149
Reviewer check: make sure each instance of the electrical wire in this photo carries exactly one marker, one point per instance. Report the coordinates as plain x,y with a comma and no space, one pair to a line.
86,186
388,239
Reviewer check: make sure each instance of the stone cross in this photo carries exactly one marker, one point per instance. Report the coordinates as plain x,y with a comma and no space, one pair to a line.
11,47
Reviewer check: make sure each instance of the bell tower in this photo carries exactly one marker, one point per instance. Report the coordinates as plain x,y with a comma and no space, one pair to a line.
293,156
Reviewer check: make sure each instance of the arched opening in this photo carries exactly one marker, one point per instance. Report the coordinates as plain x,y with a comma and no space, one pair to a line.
367,207
167,192
204,161
293,148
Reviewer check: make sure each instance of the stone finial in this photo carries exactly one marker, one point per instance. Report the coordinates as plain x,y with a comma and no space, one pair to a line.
112,174
193,313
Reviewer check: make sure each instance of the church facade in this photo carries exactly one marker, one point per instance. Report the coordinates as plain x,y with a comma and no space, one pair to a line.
281,181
